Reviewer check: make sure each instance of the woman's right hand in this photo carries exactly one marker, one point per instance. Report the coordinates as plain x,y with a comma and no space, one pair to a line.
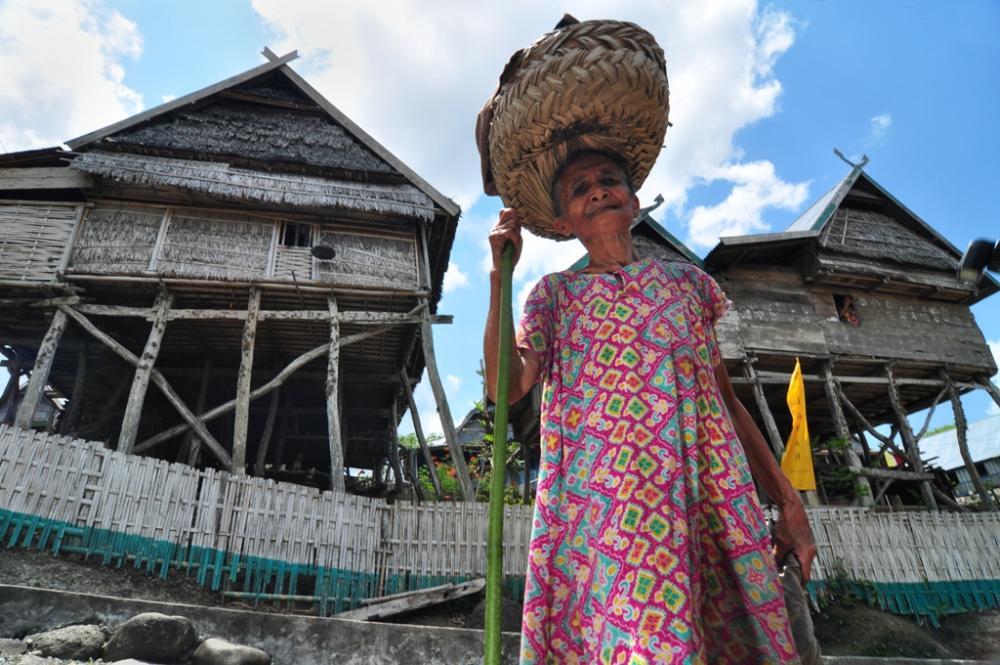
507,229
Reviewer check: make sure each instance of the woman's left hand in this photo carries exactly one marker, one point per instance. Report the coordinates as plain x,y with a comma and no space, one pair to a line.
793,535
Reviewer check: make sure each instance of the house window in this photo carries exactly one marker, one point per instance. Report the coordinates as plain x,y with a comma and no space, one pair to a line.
845,309
296,234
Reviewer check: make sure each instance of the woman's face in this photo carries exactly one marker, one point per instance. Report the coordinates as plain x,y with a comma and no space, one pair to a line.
595,199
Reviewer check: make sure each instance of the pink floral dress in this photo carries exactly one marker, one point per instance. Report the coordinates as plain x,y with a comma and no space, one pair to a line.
648,542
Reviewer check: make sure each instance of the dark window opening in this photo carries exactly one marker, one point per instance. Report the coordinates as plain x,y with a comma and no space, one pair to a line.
845,309
981,469
295,234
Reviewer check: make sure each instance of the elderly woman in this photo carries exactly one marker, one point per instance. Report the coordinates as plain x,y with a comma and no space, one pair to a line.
648,543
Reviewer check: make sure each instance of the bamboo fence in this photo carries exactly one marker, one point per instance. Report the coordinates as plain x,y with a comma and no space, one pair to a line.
279,542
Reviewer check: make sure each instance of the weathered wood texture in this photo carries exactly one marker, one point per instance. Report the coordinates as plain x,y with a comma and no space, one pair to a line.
418,429
33,240
962,432
143,372
40,372
369,260
776,312
909,441
862,488
43,177
215,246
170,517
242,418
333,402
116,238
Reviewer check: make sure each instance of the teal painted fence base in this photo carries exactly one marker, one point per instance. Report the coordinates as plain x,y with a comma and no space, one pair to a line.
334,590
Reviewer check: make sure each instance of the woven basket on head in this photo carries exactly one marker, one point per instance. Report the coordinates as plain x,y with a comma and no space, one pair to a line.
592,85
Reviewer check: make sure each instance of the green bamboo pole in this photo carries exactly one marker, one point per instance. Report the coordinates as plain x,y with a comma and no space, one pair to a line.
494,538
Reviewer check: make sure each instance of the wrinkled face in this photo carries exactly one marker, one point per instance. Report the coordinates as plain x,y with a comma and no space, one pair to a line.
594,198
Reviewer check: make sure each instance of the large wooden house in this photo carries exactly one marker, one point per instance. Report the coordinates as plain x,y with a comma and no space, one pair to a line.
249,250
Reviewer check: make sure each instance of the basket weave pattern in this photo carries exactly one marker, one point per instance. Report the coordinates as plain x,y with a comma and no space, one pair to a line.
596,85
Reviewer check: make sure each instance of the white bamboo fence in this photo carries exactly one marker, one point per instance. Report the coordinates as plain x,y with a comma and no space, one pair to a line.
282,542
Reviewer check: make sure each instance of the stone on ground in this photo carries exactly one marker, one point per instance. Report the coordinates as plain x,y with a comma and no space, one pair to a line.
10,647
71,642
154,637
216,651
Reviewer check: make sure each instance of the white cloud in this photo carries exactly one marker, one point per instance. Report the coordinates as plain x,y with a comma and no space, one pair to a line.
454,382
878,127
438,64
61,71
756,187
995,348
167,98
454,278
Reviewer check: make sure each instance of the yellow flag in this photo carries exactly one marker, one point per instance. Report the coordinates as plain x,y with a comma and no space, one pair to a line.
797,461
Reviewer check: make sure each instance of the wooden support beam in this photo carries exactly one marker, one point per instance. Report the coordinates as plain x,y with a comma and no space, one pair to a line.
862,488
333,400
44,177
397,472
893,474
909,442
281,377
387,606
242,421
190,449
158,381
992,389
447,424
143,371
355,317
930,412
419,431
71,417
12,393
777,444
40,372
962,433
265,437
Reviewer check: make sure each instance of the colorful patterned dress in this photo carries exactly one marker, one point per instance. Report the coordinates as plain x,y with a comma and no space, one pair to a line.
648,543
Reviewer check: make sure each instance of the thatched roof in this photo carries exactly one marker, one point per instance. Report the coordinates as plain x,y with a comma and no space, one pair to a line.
268,136
238,184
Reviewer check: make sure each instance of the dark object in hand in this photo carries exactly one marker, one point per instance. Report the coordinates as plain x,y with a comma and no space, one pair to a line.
980,255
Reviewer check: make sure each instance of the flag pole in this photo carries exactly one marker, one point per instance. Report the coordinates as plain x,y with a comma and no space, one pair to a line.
494,538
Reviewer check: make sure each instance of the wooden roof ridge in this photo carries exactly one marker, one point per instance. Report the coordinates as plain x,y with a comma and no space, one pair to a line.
280,64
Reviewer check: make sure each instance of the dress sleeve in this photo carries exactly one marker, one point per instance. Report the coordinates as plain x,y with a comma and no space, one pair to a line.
714,304
536,330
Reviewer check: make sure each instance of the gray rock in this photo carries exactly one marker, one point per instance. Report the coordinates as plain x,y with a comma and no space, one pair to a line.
131,661
152,636
12,647
71,642
215,651
32,659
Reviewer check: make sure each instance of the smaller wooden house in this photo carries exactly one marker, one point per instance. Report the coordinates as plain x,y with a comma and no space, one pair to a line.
867,295
247,249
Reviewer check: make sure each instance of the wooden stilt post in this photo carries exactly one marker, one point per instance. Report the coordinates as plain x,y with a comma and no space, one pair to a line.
992,389
411,464
419,431
862,486
71,418
12,392
777,444
190,449
143,373
265,438
447,424
242,420
397,473
40,371
909,443
962,432
333,401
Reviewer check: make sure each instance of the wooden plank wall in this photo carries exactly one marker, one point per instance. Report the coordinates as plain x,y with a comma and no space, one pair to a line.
33,240
54,490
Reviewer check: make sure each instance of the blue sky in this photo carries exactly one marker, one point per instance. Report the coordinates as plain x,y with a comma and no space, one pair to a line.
761,94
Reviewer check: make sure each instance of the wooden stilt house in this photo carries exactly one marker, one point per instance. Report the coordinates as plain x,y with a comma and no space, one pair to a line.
866,295
249,251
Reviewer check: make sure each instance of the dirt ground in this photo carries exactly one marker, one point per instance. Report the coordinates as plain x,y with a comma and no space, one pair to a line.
855,630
